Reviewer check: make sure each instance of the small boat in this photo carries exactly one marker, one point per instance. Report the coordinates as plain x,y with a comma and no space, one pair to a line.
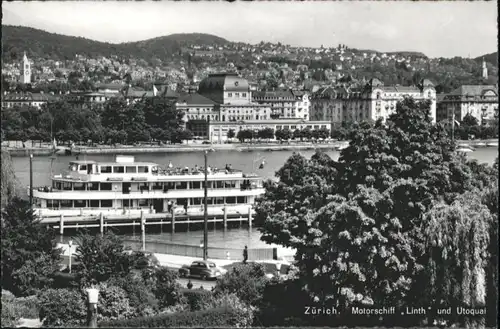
492,144
464,145
480,144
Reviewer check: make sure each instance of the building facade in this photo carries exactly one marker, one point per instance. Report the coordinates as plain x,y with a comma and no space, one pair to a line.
284,104
369,103
26,99
218,131
479,101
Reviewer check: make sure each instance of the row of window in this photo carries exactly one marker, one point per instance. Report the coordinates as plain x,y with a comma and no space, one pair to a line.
236,95
70,186
58,204
122,169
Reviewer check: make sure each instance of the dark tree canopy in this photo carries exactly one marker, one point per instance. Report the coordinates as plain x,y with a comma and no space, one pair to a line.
358,224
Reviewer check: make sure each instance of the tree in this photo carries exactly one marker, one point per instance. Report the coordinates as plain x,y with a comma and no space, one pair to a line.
357,223
29,256
458,236
101,258
9,182
470,120
231,134
247,281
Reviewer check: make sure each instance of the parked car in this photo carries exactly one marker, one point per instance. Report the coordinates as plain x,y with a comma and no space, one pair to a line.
202,269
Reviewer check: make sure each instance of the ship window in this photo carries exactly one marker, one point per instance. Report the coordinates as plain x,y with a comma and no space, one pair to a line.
219,184
157,186
209,201
66,204
52,203
131,169
219,200
142,169
57,185
230,199
196,201
80,203
230,184
83,167
79,186
107,203
181,185
170,185
105,169
94,203
67,186
105,186
143,202
126,203
118,170
93,186
241,199
195,185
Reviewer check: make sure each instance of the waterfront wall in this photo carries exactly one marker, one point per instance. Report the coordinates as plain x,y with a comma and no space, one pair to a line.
162,247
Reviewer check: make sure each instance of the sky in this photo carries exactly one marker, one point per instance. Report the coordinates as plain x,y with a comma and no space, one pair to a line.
437,29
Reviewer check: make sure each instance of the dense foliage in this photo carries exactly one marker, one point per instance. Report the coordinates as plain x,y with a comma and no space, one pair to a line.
29,257
149,119
359,224
101,257
217,317
8,180
13,309
62,307
247,281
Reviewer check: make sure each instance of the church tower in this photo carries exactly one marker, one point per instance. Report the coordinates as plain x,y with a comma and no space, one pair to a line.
485,70
26,70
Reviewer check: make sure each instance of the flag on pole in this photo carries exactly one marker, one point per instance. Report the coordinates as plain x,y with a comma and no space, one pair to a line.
54,143
455,121
155,91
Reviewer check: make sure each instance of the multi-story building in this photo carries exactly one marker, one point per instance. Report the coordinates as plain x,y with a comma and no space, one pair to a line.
218,131
476,100
226,100
284,104
26,99
326,106
368,103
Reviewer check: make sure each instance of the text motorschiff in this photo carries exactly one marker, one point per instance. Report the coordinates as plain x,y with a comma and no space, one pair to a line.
373,311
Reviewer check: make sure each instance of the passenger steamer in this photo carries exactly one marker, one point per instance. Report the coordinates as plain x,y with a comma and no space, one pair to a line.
126,188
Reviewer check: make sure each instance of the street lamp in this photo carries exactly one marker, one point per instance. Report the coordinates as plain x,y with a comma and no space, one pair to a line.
93,297
70,244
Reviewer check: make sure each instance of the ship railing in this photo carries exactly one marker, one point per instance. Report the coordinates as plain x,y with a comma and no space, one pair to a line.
187,172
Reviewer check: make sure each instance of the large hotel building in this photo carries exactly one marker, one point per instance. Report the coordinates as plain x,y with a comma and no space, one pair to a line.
369,103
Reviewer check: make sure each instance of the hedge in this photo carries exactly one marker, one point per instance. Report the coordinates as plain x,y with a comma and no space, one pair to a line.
13,309
217,317
196,297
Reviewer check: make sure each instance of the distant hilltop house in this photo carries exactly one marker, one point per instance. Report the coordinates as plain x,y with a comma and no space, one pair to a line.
480,101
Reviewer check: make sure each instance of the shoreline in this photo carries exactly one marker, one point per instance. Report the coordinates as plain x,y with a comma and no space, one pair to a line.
20,152
192,148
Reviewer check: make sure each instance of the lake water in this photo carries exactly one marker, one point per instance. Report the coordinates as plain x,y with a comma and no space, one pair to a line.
233,237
